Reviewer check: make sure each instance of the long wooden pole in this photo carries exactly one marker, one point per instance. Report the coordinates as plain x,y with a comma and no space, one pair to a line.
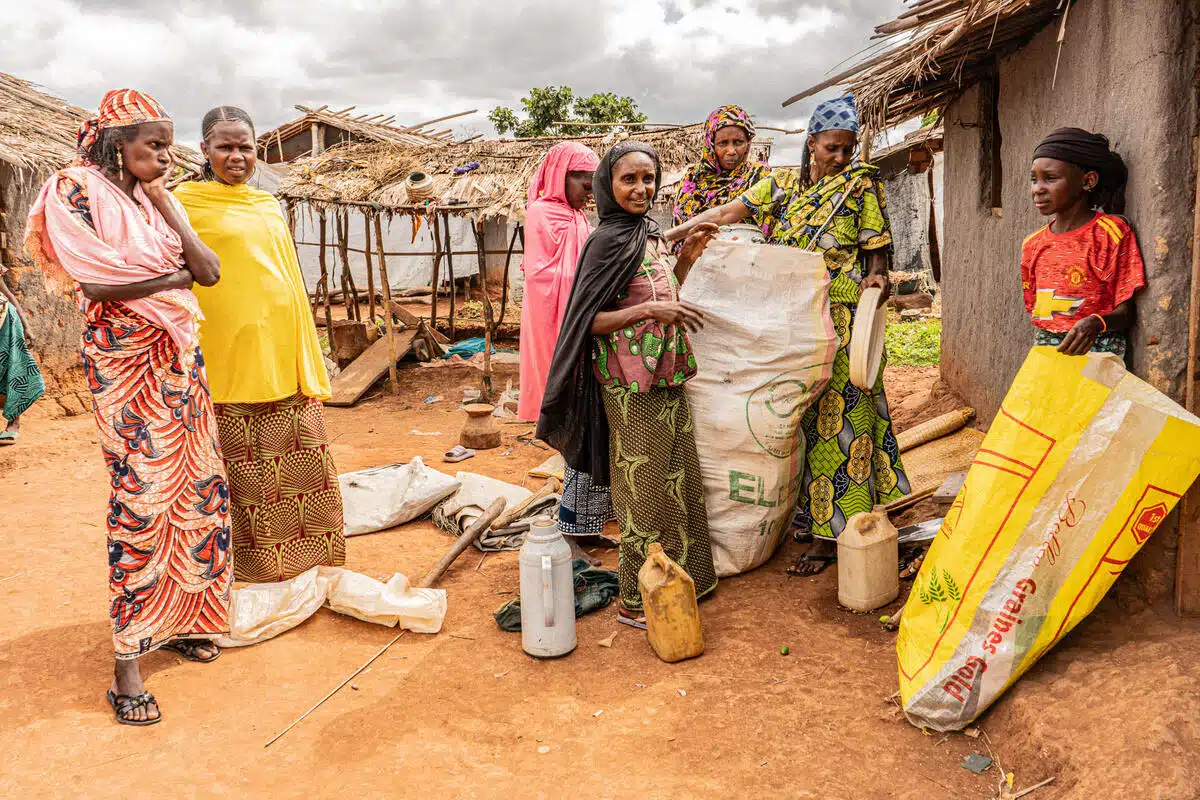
1187,564
450,270
370,268
489,320
393,378
349,290
507,260
325,285
436,230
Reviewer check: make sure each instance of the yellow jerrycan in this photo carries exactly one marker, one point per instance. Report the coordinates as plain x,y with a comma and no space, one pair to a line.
669,602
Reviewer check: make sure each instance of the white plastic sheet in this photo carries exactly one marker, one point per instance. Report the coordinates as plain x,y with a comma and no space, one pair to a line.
262,611
383,497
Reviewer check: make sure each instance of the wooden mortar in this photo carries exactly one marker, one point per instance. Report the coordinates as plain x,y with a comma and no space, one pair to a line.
481,431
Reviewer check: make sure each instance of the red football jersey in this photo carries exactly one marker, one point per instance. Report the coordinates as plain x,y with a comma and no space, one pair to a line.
1090,270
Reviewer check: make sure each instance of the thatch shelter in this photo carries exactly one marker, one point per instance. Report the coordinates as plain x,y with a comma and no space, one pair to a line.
1004,73
318,129
472,211
37,136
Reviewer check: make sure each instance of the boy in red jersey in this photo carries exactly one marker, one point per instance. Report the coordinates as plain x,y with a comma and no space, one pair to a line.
1081,271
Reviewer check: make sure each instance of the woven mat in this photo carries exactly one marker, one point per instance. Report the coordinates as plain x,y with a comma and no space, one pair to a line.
930,464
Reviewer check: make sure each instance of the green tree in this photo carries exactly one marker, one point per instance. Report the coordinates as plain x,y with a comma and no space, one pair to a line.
546,106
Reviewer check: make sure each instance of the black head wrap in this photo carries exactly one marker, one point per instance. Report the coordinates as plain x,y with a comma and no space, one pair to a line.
1091,153
572,419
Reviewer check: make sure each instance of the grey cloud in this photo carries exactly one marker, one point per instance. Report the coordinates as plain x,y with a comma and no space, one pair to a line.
424,57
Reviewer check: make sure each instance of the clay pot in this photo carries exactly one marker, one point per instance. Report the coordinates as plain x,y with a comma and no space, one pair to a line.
481,431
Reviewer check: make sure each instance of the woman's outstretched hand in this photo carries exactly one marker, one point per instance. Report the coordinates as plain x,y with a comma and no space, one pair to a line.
670,312
879,281
698,239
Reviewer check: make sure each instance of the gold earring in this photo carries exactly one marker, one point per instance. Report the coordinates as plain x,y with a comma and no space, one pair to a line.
121,164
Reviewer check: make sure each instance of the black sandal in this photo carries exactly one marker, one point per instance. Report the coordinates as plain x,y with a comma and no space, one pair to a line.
807,558
123,705
187,648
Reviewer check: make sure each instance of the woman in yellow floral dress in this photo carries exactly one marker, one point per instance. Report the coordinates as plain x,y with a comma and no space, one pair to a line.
835,205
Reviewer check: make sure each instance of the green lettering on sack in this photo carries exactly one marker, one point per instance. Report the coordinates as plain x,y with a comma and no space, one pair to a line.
742,487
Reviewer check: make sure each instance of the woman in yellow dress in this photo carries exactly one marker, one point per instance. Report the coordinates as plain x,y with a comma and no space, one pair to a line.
265,366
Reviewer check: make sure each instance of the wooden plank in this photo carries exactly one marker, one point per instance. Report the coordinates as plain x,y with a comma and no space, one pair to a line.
1187,564
354,381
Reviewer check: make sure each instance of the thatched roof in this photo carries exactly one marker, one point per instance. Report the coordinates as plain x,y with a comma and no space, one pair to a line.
38,131
364,127
375,174
933,52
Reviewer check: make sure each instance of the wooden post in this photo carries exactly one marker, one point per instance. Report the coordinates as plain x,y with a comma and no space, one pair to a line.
507,260
435,230
489,321
349,290
291,221
393,379
449,269
1187,564
317,145
935,250
324,285
370,269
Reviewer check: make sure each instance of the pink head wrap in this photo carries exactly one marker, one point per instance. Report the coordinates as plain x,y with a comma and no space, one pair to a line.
550,180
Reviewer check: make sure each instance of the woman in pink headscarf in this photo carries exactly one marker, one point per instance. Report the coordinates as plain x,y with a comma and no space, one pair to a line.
555,230
108,228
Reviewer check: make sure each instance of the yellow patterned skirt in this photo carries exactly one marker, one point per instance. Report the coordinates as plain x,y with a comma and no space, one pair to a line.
286,503
851,460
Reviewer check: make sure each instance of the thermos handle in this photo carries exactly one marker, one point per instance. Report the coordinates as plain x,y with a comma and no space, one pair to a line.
548,590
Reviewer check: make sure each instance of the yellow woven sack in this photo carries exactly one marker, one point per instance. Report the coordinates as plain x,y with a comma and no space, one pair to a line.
1080,466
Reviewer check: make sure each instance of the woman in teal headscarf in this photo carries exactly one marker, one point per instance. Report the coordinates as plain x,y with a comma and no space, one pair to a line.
852,461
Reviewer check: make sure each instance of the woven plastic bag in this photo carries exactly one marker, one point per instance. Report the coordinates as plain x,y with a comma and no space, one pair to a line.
1079,468
764,355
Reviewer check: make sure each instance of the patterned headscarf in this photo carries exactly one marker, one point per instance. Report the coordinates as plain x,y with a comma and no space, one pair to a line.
705,185
838,114
118,109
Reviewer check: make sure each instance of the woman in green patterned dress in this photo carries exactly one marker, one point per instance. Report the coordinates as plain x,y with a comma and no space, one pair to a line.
834,205
615,404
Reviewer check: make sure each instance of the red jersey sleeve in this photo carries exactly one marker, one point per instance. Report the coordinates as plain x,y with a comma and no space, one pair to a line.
1028,279
1131,271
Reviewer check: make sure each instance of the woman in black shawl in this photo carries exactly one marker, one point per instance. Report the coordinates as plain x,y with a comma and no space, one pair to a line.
615,405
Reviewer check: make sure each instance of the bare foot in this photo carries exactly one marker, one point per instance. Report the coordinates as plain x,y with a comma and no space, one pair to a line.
127,681
14,426
820,555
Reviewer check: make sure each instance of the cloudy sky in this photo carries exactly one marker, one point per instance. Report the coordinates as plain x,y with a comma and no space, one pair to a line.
420,59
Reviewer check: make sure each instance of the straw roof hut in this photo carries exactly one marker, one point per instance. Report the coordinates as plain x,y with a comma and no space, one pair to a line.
328,129
931,53
376,174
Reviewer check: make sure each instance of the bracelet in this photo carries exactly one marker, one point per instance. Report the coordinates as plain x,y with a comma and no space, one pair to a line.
1103,324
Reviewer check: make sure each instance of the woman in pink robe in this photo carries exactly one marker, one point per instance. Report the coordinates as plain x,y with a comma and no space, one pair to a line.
555,230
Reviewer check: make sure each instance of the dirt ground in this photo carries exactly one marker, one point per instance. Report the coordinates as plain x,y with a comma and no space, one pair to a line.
465,713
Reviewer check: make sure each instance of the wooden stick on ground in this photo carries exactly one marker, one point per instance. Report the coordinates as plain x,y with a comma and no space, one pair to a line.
464,541
349,678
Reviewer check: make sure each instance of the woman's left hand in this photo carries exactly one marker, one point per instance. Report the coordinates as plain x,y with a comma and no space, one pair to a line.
1081,337
697,239
881,282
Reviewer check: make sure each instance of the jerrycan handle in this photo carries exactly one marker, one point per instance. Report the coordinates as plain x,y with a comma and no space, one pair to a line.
548,590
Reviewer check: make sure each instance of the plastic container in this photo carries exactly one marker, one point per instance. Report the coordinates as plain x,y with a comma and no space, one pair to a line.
547,592
868,562
669,602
